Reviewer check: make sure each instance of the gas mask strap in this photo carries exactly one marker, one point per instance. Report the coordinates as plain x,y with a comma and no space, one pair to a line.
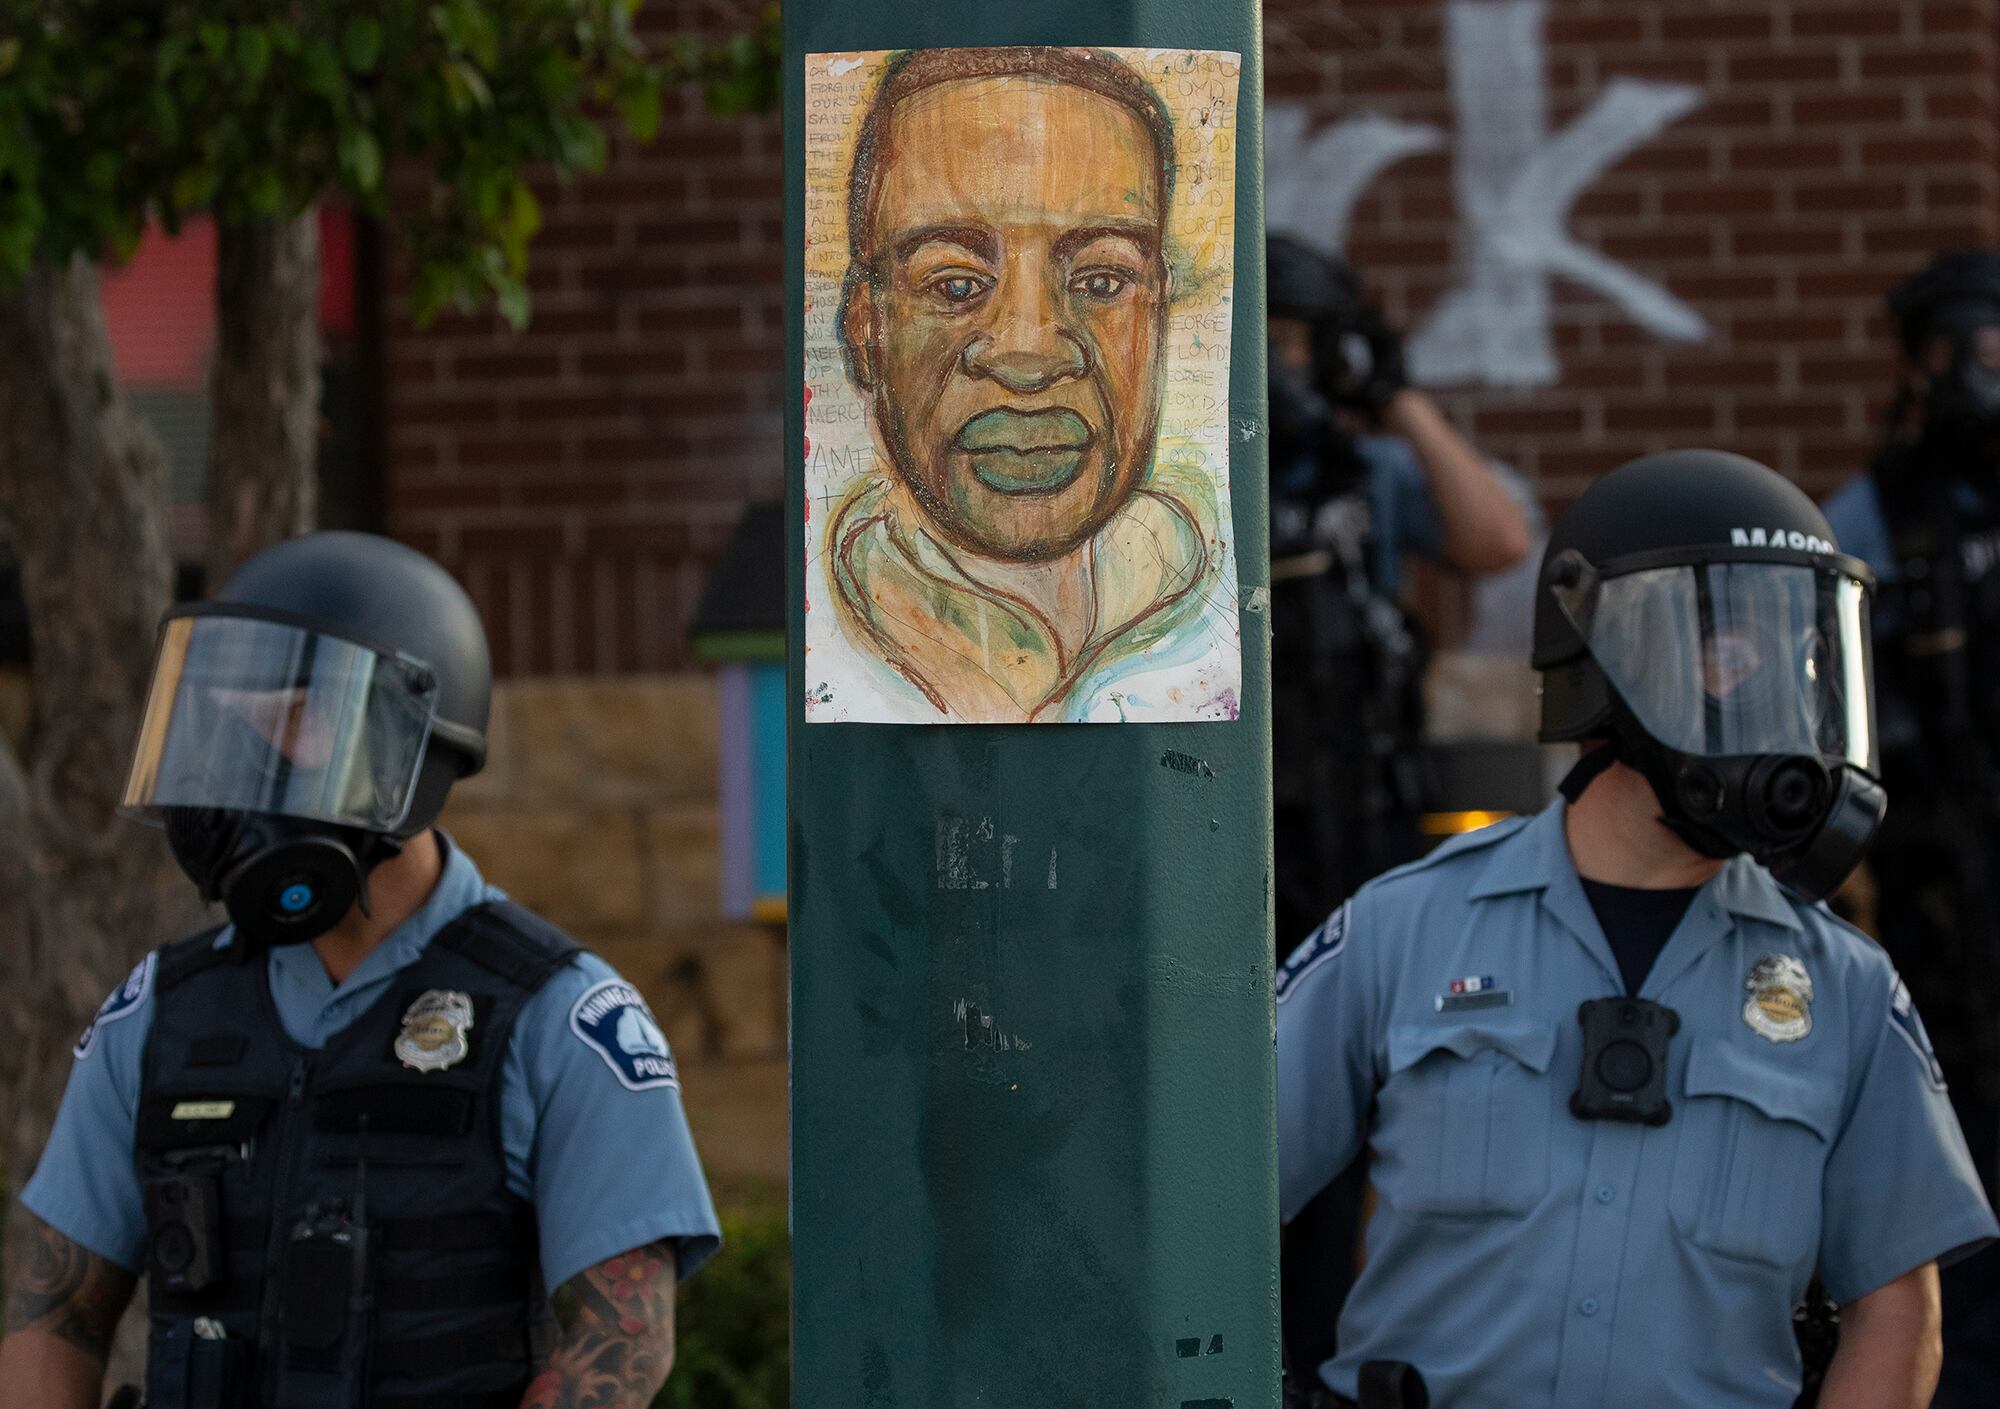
1588,769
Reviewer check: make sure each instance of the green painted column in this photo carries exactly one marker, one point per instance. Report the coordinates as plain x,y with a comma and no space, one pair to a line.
1033,1130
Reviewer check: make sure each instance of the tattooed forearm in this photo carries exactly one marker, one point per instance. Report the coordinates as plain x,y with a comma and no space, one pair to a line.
64,1289
618,1342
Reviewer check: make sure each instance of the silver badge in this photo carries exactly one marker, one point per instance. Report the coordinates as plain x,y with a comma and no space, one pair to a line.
1781,994
434,1031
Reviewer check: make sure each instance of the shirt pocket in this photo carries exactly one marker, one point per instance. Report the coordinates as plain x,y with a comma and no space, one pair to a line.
1464,1125
1752,1150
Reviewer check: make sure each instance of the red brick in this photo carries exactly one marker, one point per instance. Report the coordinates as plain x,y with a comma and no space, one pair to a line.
1710,26
1850,109
1759,65
1882,191
1867,21
1896,62
1784,154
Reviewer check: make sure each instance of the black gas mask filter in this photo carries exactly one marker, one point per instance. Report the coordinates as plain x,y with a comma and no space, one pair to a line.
282,880
1808,822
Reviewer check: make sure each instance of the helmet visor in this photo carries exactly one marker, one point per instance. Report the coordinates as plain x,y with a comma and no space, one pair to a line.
1732,658
249,715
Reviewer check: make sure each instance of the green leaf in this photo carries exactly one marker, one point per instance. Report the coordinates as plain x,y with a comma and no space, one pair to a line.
322,68
215,39
265,192
194,188
166,119
361,41
170,53
10,54
101,171
640,104
510,296
253,53
524,213
361,157
466,86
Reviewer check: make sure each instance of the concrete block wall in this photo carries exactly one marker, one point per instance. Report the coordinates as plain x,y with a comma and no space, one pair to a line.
597,808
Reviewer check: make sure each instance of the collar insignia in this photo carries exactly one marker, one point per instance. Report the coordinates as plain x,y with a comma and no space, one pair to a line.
1781,995
435,1029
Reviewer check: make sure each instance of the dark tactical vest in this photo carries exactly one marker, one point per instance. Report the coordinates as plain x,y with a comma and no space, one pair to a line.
252,1149
1937,686
1347,716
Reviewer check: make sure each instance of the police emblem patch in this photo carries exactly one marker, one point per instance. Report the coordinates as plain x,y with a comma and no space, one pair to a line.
1903,1017
1781,995
1321,946
614,1020
436,1031
122,1002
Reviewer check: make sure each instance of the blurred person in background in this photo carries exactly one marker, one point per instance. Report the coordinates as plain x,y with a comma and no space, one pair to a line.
1926,518
1365,469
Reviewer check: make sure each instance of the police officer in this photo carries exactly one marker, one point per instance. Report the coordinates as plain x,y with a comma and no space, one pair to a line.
1364,470
353,1137
1926,517
1625,1084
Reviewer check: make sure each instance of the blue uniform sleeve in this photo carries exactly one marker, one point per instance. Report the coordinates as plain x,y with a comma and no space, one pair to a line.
86,1186
1859,526
1407,518
1900,1188
1326,1065
594,1131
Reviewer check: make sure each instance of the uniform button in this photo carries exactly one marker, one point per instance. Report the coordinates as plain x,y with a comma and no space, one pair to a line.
1588,1306
1605,1193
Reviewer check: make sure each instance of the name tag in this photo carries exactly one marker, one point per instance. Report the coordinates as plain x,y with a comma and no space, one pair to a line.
204,1110
1462,1002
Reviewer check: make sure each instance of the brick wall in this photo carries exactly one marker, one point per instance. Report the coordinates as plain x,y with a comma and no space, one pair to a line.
581,477
1830,146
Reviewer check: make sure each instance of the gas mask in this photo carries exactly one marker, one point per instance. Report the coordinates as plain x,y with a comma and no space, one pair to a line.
1960,354
1313,457
282,764
1741,692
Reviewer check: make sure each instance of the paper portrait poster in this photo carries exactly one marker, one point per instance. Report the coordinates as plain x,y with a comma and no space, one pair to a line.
1018,293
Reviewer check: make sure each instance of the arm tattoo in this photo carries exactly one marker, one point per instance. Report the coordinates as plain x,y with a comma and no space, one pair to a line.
618,1341
64,1289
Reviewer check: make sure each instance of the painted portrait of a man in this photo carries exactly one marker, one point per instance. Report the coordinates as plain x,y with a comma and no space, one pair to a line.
1004,318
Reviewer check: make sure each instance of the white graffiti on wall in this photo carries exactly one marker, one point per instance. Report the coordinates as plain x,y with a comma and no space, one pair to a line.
1515,184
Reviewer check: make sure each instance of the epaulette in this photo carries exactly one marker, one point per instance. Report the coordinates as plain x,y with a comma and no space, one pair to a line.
1460,845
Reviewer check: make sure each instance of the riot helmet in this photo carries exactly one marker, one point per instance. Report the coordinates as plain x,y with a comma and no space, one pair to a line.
305,723
1947,318
1694,612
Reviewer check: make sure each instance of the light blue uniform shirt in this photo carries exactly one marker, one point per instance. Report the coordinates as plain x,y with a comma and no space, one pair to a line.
1520,1256
607,1168
1404,512
1860,527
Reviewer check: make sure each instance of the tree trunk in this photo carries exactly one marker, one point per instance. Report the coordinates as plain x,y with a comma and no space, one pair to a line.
83,495
262,483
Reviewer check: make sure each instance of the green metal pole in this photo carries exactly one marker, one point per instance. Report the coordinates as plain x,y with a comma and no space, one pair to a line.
1033,1129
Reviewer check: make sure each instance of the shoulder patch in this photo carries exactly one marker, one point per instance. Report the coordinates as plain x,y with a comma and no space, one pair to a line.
122,1002
1321,946
1903,1017
612,1019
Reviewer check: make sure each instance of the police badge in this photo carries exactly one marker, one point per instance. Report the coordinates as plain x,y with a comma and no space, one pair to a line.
1781,994
434,1031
